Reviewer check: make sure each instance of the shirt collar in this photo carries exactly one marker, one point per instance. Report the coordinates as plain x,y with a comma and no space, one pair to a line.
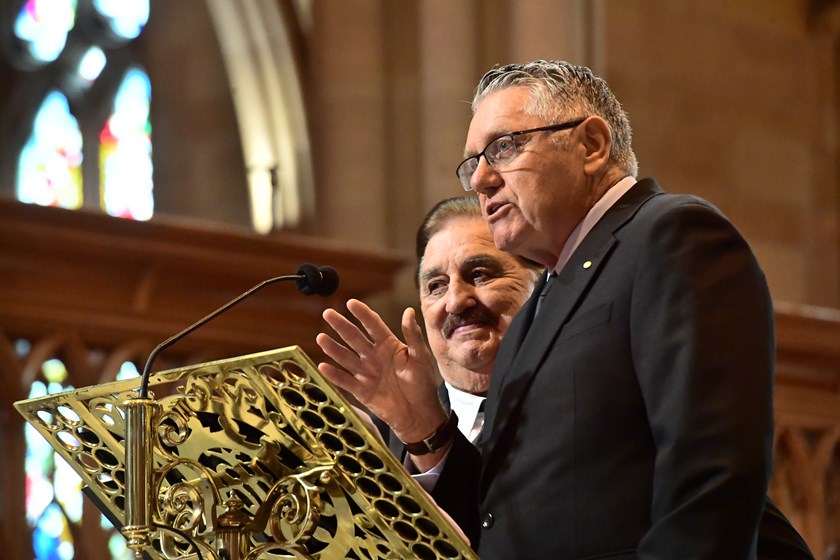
465,406
592,217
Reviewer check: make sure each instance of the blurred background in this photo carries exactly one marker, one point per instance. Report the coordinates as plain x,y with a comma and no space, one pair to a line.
157,158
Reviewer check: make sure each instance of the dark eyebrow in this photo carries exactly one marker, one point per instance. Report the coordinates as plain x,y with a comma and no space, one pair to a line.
475,261
484,260
431,273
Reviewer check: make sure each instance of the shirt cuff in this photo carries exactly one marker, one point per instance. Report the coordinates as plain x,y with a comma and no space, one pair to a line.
427,480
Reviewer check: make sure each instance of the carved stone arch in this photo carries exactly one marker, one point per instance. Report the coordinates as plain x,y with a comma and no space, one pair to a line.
132,351
259,54
65,345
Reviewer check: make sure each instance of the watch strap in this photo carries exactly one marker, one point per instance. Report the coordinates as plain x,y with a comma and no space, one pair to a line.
437,440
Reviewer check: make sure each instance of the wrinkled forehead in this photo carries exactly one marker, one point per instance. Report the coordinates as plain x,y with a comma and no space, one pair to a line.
461,242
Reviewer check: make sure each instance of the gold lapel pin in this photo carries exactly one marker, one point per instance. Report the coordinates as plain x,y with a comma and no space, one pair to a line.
587,264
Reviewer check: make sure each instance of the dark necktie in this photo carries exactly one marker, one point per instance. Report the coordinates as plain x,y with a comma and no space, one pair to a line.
546,287
479,422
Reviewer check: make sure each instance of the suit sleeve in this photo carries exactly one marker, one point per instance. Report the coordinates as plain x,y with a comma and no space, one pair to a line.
702,343
456,490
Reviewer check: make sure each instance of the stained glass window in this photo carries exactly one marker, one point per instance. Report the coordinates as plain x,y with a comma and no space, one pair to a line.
43,25
126,151
83,88
126,19
54,500
53,489
91,65
50,168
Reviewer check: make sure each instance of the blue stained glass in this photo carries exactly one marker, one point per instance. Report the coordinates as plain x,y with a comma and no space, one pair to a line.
43,25
50,167
51,538
53,490
128,371
125,17
22,347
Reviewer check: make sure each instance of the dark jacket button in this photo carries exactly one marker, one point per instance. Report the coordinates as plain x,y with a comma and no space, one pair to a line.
487,520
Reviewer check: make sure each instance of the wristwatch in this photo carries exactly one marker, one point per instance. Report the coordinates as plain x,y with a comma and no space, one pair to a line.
437,440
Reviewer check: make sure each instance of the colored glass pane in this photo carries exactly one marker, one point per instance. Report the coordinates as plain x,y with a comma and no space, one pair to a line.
126,18
43,26
128,371
117,546
50,165
53,489
91,65
125,152
51,538
22,347
54,371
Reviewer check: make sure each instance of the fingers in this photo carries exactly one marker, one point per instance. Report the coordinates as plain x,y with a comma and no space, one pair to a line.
350,333
345,357
411,330
339,377
370,320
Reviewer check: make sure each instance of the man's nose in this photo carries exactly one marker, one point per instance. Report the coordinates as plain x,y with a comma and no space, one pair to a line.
459,296
484,177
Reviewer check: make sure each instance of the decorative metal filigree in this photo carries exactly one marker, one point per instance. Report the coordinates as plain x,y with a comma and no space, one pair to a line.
259,446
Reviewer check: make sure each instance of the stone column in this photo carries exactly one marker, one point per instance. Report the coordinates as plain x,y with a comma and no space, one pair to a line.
449,71
348,122
551,29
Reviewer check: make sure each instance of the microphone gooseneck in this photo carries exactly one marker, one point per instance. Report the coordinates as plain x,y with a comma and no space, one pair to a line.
310,280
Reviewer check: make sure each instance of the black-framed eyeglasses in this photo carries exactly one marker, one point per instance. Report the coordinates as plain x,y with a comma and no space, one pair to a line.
503,150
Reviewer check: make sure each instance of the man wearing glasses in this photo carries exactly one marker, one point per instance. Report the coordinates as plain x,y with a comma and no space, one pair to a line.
630,409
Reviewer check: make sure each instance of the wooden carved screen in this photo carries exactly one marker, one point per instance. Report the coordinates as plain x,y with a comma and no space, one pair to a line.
92,293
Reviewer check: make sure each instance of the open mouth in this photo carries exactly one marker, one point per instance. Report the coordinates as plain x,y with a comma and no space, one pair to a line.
493,207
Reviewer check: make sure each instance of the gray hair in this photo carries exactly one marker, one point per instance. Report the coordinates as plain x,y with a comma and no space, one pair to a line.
442,214
560,90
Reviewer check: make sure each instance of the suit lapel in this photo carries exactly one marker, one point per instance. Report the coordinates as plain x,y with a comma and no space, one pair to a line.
525,345
511,343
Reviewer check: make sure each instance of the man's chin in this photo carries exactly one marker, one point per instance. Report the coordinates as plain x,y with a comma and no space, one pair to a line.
476,354
505,239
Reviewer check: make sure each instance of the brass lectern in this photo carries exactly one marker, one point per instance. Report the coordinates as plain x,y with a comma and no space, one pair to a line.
248,458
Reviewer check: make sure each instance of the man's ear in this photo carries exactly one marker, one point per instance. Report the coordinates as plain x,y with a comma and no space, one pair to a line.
598,141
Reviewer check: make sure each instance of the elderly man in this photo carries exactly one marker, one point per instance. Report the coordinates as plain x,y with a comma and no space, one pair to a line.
629,413
469,292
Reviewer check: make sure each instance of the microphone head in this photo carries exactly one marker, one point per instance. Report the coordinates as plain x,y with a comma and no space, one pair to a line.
329,281
322,281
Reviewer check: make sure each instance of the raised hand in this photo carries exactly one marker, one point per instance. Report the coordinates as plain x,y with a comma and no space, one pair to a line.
395,381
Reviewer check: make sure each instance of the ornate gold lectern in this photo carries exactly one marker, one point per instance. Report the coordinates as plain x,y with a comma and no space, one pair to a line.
248,458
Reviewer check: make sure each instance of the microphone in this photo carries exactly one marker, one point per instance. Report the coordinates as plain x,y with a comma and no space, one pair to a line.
322,281
310,280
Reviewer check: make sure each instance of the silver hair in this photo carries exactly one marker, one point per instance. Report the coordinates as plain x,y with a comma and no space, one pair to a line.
561,90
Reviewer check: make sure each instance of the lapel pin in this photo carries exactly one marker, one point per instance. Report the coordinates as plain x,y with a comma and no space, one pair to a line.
587,264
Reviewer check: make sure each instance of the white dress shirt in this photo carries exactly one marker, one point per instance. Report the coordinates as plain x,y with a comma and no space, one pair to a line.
470,411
